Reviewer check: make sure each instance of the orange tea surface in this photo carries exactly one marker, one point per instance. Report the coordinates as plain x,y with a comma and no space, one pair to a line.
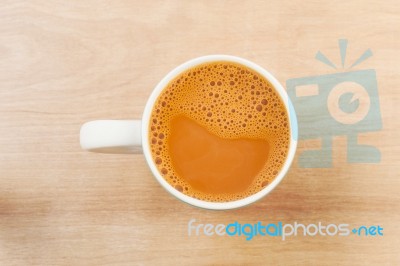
219,132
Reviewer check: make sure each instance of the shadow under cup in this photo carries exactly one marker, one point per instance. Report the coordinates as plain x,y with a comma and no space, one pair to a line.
179,110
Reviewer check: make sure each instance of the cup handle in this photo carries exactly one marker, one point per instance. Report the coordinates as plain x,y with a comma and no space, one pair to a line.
112,136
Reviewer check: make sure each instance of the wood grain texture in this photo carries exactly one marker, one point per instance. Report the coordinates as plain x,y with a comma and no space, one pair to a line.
66,62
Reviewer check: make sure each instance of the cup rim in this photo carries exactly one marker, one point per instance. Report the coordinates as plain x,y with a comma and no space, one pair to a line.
230,204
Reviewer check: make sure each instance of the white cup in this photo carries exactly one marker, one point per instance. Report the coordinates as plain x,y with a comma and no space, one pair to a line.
131,136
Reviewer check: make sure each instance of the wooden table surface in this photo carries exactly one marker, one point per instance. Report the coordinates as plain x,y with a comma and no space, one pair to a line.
66,62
